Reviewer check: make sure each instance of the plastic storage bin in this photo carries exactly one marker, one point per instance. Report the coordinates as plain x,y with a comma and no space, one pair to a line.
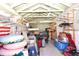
61,45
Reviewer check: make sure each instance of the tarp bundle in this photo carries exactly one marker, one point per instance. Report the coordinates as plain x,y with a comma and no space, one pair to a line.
12,44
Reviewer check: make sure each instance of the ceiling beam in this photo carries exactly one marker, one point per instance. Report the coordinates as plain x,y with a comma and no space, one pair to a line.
8,9
40,11
67,5
23,14
18,5
39,4
39,17
54,13
44,21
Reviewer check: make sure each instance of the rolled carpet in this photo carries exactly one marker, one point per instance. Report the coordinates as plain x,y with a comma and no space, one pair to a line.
11,39
15,45
6,52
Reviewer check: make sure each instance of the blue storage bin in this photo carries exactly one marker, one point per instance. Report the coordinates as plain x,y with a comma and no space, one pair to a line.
61,45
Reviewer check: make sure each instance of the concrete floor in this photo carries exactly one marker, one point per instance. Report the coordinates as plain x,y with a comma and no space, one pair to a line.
50,50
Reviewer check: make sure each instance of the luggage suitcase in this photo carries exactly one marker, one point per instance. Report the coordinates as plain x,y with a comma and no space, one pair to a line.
39,43
32,51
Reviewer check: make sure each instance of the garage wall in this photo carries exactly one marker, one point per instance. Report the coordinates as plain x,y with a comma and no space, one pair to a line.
41,26
76,25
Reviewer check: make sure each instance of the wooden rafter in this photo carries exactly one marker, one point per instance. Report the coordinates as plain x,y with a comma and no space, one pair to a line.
39,4
18,5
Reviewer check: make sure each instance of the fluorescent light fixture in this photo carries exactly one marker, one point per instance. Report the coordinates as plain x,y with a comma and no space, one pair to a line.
32,29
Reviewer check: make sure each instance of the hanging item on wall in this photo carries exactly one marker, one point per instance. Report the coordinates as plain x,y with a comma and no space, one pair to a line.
65,24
